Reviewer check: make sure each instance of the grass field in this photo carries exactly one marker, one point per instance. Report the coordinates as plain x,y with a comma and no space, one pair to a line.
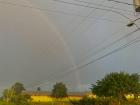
52,103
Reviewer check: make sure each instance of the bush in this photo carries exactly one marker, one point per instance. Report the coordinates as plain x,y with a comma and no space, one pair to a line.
83,101
6,103
87,101
104,101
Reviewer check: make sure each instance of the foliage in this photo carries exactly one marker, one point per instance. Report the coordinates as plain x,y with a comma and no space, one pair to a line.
6,103
38,89
104,101
15,95
8,94
18,88
20,100
84,101
59,90
117,84
52,103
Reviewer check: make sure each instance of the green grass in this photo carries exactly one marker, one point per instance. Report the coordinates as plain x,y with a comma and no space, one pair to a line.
52,103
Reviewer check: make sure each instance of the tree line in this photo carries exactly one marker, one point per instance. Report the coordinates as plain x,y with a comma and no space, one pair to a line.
114,84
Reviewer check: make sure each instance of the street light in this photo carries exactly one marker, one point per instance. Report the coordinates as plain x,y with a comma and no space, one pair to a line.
136,4
132,22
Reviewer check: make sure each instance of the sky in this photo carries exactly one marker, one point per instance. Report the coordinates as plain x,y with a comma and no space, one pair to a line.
47,41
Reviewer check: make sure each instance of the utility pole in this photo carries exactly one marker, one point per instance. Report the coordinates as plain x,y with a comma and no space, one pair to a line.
136,5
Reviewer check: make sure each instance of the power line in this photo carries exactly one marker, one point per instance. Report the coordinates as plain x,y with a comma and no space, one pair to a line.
91,3
21,5
109,10
29,6
127,18
99,5
109,53
103,9
52,74
114,51
79,68
57,72
123,3
84,19
113,43
106,47
53,11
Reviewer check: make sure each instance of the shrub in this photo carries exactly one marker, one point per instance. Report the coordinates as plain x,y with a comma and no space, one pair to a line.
6,103
83,101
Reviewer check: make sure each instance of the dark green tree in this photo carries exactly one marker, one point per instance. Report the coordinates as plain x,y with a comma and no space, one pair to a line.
59,90
20,99
15,95
117,84
38,89
7,94
18,88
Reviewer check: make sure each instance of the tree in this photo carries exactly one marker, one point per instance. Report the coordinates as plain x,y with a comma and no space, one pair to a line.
117,84
38,89
15,95
59,90
18,88
20,99
5,103
7,94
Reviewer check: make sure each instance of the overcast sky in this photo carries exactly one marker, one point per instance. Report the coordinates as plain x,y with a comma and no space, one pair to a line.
45,41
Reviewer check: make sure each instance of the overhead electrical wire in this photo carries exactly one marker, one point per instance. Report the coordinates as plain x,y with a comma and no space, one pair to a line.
96,52
99,5
125,36
106,55
95,4
30,6
22,5
113,43
53,11
84,19
62,12
81,5
92,7
103,9
90,3
116,50
79,68
120,2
